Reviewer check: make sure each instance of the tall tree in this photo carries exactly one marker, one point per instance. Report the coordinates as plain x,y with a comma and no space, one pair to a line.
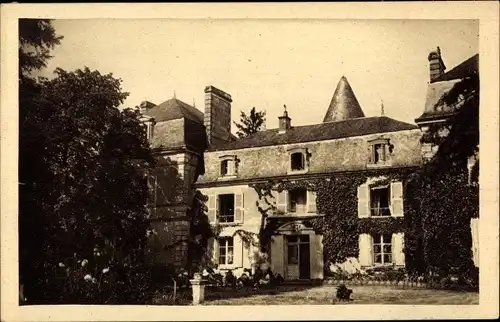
250,124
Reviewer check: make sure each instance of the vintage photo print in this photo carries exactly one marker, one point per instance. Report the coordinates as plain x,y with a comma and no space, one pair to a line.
246,161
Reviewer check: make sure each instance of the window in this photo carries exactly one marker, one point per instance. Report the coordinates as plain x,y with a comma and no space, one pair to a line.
297,161
298,200
224,167
226,208
380,151
379,201
228,165
226,250
382,249
293,242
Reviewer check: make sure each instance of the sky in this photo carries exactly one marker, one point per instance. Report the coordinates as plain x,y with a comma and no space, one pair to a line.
266,63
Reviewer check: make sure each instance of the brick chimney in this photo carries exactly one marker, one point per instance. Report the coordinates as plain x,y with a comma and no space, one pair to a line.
217,115
284,122
436,64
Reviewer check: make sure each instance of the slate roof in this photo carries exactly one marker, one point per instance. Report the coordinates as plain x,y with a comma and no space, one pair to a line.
318,132
344,104
175,109
460,71
443,84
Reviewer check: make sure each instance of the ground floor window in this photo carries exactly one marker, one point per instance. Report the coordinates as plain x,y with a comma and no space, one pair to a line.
382,249
226,250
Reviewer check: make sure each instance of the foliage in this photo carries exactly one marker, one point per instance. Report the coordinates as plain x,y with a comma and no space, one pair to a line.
250,124
336,198
444,196
82,196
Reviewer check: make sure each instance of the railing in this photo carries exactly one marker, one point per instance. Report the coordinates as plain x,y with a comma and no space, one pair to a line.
381,212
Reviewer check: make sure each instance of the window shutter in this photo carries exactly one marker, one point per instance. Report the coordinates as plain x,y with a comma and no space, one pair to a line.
277,258
311,202
363,201
238,208
316,256
282,201
365,250
398,255
230,167
215,253
212,208
237,251
397,199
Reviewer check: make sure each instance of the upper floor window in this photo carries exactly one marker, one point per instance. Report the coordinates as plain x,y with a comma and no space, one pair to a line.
226,208
150,123
298,200
380,152
228,165
298,160
380,201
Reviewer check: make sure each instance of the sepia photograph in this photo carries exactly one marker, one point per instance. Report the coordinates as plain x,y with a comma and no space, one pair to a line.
228,162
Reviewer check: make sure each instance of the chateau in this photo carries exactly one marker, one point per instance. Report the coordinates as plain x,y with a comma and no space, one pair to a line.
209,158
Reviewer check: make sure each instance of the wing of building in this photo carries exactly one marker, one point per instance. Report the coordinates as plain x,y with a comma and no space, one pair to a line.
209,158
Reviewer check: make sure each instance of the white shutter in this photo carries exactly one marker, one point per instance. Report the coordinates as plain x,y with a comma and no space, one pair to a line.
397,199
365,250
311,202
277,255
215,253
316,256
238,208
282,201
398,255
363,201
237,251
212,208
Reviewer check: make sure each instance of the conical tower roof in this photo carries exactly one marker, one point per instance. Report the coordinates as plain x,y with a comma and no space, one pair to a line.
344,104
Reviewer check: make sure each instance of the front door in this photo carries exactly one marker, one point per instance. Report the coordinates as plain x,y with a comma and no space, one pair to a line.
298,257
304,260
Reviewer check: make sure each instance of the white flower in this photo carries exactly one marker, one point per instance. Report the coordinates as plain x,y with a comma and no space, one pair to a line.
61,265
205,272
94,280
84,262
87,277
98,254
186,273
105,270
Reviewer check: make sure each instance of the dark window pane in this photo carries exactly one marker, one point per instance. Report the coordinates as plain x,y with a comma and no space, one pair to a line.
297,160
378,258
387,238
387,258
387,249
293,257
376,248
292,238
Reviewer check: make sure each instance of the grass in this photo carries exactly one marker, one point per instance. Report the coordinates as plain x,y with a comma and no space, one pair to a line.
362,294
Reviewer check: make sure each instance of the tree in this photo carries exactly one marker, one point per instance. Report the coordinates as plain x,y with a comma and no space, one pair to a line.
250,124
83,216
444,196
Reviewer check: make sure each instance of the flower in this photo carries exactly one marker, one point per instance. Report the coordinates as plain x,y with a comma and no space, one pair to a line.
61,265
205,272
84,262
87,277
94,280
98,254
105,270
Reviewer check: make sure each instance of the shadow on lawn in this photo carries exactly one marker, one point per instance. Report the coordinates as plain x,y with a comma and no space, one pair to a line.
212,294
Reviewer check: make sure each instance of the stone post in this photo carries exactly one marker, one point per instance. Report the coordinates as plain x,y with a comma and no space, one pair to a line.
198,287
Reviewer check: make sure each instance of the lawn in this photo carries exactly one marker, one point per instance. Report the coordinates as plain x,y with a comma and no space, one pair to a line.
307,295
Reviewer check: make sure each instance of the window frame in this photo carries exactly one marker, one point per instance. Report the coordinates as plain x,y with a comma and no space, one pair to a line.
226,243
219,216
387,210
382,244
303,206
385,144
231,166
305,160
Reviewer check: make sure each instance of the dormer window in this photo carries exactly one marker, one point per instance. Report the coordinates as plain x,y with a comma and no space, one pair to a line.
380,151
150,123
228,166
298,160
